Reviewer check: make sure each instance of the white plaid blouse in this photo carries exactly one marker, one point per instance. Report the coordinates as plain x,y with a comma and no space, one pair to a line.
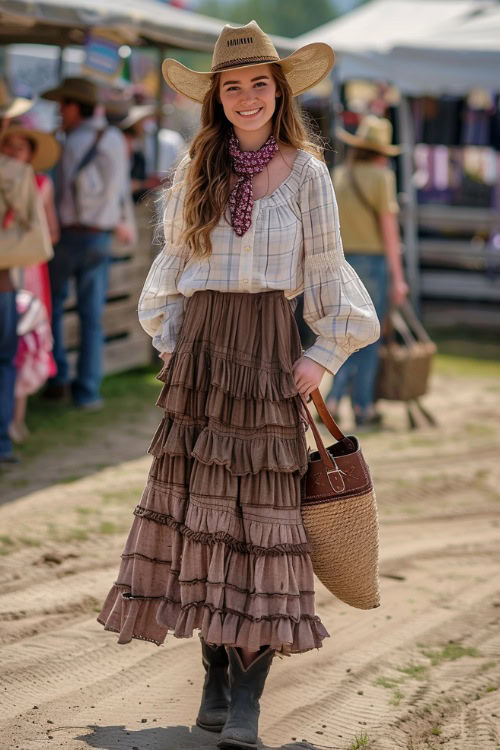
293,244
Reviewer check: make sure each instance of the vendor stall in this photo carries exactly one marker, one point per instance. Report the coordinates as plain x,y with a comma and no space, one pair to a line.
443,56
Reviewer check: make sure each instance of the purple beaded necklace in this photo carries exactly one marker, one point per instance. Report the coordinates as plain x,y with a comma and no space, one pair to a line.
246,164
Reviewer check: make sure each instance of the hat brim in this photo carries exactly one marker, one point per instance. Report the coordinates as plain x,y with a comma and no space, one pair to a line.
16,108
136,114
47,151
357,142
61,92
303,69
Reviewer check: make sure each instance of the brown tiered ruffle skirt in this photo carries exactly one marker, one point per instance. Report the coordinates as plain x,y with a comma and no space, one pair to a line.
217,543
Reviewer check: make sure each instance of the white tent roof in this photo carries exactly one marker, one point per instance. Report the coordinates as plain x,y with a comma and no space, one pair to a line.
423,46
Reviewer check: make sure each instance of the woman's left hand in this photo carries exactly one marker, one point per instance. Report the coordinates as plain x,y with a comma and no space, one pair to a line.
307,374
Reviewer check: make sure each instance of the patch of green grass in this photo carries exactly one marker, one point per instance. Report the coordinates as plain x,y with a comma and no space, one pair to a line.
491,688
108,527
6,540
53,426
70,478
362,741
122,497
436,731
84,510
450,652
470,353
387,682
487,666
29,541
397,697
74,535
417,671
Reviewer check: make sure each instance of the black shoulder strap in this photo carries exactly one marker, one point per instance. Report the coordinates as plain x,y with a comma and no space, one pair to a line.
90,154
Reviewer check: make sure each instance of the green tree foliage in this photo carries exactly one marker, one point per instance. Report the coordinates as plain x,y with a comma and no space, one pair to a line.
288,18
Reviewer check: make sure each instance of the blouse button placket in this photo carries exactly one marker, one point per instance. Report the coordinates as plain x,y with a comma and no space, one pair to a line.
246,257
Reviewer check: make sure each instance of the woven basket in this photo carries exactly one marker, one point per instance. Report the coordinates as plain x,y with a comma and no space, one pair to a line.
405,358
339,511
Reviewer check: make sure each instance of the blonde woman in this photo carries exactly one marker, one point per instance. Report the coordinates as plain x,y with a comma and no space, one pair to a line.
218,544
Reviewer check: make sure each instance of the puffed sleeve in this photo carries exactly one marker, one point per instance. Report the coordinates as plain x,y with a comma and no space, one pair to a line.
337,306
161,306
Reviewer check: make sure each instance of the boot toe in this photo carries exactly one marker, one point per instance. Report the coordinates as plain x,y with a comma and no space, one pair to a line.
238,737
212,720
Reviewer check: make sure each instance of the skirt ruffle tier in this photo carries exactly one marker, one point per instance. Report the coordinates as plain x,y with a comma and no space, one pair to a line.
217,542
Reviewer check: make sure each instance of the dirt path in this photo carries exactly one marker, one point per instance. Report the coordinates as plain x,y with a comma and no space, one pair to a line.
420,672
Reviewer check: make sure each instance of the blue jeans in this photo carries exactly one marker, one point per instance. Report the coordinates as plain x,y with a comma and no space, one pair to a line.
91,279
8,350
359,373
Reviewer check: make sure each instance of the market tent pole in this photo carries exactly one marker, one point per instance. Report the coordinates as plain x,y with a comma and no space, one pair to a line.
410,217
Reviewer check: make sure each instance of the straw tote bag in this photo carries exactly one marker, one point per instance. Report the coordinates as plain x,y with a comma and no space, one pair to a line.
339,511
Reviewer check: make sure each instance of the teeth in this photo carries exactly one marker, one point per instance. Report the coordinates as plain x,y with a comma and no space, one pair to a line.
250,112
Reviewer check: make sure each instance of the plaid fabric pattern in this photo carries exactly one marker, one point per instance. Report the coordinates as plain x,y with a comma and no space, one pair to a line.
293,245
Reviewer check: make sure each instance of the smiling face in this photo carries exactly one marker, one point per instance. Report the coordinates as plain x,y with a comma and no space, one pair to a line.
248,96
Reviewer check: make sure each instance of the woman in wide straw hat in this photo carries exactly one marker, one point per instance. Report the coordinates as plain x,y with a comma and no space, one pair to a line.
218,542
368,207
34,361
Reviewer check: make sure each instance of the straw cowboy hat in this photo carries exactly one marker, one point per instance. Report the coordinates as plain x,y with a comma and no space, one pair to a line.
373,133
135,114
77,89
46,152
12,106
247,46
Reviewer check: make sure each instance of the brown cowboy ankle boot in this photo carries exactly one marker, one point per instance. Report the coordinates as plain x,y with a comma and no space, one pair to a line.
247,685
215,697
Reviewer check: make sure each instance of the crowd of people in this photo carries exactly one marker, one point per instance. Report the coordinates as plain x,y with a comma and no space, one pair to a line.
85,180
105,157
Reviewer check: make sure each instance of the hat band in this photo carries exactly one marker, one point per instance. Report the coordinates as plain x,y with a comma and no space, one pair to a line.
244,61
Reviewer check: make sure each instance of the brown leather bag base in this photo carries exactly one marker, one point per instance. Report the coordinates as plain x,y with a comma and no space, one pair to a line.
339,511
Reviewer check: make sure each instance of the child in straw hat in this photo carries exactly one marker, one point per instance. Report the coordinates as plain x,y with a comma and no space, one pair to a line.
217,543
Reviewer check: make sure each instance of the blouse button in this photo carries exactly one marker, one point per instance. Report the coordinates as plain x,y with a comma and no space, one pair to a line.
247,248
245,281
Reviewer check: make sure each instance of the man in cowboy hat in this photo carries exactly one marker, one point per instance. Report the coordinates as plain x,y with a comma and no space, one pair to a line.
90,187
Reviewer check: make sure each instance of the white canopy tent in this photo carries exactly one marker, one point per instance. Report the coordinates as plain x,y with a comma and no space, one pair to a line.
422,46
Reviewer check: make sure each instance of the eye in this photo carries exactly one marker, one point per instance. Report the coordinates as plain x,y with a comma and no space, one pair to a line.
261,83
232,88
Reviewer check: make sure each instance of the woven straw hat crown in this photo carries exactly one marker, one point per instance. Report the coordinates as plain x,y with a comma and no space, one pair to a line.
246,46
373,133
243,46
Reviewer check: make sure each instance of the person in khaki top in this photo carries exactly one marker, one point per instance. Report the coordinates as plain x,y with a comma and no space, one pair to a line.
366,195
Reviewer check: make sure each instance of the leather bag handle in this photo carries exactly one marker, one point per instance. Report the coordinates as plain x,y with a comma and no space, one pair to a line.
329,423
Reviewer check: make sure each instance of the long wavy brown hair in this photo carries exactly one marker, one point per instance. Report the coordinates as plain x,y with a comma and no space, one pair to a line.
209,172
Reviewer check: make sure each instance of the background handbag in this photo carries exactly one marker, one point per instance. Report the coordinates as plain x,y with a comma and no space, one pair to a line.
405,360
24,237
339,511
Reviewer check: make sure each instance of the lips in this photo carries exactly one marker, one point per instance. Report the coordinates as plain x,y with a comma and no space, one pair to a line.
250,112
